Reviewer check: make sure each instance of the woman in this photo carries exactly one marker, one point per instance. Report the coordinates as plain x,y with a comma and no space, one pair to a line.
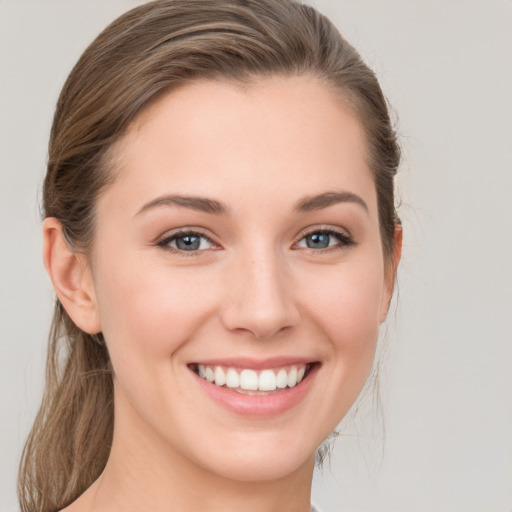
221,235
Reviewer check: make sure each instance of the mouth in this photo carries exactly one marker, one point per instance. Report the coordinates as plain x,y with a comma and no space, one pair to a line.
254,382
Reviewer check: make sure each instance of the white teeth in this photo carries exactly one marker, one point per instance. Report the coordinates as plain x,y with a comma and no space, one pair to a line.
208,373
232,379
282,379
220,377
249,380
292,377
267,381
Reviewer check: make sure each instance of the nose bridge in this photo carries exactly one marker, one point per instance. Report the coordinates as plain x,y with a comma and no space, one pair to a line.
261,299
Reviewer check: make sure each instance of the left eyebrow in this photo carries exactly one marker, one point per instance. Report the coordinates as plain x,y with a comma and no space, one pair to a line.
320,201
202,204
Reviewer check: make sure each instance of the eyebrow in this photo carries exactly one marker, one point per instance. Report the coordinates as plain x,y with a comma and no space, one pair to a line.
212,206
320,201
202,204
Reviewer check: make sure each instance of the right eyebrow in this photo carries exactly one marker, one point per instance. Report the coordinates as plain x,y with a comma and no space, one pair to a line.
202,204
326,199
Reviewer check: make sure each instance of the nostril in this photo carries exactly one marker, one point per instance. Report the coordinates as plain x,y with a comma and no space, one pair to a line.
261,324
262,330
260,299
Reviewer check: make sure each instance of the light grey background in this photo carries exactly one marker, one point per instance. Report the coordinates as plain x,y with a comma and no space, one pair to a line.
446,67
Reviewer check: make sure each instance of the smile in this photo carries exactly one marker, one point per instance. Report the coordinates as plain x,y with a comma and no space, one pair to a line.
257,389
253,382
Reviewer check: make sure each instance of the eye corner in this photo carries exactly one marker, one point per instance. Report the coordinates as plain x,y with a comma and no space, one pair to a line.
187,242
320,240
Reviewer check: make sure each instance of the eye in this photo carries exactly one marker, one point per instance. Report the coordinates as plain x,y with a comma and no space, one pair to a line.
324,239
187,241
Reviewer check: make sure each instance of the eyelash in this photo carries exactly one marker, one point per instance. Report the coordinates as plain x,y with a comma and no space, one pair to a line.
164,243
343,239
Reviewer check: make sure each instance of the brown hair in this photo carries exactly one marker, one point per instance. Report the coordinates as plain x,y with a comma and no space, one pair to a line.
148,50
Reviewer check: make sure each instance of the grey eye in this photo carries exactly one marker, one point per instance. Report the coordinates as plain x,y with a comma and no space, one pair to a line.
318,240
187,242
324,239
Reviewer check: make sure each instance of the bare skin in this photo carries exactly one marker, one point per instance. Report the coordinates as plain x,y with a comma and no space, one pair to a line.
287,263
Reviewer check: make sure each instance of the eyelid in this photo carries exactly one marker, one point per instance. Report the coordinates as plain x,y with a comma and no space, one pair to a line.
325,228
344,239
163,240
344,235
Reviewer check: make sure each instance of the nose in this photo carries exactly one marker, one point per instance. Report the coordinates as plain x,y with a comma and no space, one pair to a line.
260,297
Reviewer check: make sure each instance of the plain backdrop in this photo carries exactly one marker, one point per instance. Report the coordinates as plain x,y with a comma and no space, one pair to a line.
446,67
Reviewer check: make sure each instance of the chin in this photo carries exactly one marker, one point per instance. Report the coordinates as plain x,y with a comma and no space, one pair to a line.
262,466
268,455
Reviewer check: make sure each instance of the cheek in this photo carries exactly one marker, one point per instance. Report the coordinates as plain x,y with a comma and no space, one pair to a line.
349,313
346,302
147,313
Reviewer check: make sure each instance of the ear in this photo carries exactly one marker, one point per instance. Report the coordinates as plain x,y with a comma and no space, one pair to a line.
71,277
391,268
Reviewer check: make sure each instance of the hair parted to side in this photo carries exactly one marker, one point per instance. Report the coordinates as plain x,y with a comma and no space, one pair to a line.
148,50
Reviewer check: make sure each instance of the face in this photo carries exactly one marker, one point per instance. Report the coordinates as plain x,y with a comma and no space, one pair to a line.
238,274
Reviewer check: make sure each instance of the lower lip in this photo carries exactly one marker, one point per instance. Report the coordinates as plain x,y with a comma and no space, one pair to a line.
262,406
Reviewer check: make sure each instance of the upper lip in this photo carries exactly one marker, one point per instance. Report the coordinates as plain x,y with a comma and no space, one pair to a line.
255,364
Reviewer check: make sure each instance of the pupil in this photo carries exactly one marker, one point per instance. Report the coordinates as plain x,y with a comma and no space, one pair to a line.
188,243
317,240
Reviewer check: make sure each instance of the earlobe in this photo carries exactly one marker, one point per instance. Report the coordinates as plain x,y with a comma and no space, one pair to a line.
71,277
391,270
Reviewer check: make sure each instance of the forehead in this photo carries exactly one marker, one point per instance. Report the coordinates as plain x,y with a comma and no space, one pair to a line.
274,135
